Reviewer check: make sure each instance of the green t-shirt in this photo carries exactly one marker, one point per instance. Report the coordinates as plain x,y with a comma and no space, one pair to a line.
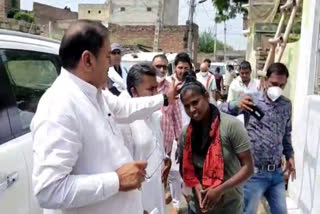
234,140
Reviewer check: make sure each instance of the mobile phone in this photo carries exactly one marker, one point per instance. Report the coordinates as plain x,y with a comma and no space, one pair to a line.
257,112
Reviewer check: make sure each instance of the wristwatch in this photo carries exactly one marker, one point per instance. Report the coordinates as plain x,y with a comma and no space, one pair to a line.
165,100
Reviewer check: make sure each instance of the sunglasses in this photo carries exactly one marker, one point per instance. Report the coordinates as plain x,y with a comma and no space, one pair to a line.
116,52
164,67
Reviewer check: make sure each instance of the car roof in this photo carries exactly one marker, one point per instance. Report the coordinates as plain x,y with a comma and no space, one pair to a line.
146,56
218,63
24,41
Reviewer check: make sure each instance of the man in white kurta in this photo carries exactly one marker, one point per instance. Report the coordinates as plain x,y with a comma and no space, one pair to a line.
243,84
144,138
81,165
145,141
117,73
208,81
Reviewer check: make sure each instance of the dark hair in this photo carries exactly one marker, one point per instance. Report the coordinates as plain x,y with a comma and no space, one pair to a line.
207,60
231,67
217,69
161,56
82,35
189,74
191,83
277,68
136,74
182,57
245,65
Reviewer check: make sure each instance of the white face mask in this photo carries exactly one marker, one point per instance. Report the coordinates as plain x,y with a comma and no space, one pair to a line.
274,93
203,73
160,79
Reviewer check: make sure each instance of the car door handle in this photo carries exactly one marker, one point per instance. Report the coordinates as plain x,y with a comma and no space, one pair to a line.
8,181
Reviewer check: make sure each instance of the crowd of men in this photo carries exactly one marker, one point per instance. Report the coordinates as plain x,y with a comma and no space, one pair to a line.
108,139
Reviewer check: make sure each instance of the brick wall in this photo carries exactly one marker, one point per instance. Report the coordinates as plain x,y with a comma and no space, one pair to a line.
45,13
2,13
22,26
172,38
5,6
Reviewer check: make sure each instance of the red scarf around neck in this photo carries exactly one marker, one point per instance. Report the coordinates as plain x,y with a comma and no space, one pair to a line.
213,167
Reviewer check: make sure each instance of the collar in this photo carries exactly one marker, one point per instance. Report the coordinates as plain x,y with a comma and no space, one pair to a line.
164,83
242,84
262,96
88,89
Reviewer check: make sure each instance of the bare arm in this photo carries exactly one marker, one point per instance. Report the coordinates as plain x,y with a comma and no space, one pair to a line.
243,174
212,196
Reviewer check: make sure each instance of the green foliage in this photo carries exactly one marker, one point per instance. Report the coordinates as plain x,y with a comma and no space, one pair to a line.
228,9
12,12
28,17
206,43
14,4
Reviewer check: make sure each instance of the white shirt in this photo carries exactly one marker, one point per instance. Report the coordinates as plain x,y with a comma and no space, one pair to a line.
145,140
237,88
119,82
77,148
230,76
209,82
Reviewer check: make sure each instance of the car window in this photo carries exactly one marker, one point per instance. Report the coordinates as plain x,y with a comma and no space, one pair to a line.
214,67
5,129
30,75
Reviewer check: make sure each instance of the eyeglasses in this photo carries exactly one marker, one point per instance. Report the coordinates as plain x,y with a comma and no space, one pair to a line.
159,159
164,67
116,52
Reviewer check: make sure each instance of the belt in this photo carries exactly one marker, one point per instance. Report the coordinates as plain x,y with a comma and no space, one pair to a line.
268,167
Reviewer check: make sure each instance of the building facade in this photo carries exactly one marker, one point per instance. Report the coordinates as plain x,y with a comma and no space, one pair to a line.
171,38
131,12
98,12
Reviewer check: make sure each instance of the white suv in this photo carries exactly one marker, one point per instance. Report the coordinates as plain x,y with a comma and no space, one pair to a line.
28,66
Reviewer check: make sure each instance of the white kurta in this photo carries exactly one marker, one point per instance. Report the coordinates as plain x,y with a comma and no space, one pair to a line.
238,88
144,140
119,82
209,82
78,147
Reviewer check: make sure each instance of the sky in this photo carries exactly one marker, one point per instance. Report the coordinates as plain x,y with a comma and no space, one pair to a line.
204,17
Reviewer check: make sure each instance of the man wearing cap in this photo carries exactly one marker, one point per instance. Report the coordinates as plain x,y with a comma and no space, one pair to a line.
117,73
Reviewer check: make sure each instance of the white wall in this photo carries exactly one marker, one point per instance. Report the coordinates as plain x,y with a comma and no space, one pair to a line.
171,12
306,125
97,12
136,12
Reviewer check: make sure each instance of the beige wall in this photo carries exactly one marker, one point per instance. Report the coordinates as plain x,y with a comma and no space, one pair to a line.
291,59
99,12
130,12
171,12
136,12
